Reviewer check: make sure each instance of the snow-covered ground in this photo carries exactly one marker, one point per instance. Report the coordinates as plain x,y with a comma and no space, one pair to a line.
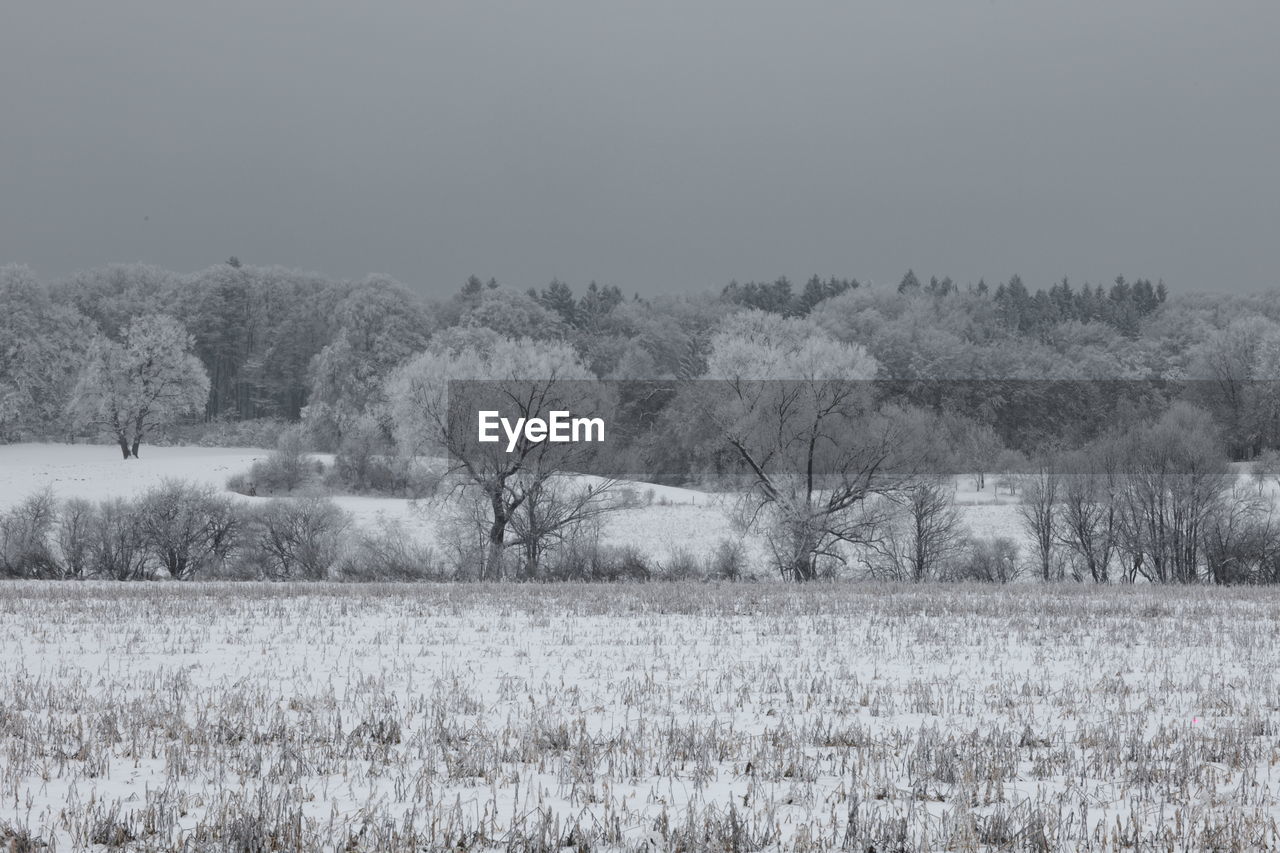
97,472
246,716
666,523
637,717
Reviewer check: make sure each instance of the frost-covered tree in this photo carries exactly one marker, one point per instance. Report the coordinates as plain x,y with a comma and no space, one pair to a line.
532,378
26,538
972,444
113,296
131,387
790,402
256,330
1229,361
381,324
515,315
41,348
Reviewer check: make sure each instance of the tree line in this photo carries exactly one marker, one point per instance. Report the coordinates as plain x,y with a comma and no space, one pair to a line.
965,378
274,342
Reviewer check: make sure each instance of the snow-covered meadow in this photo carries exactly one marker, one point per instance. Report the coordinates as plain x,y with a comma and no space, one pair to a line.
664,522
665,716
96,471
661,521
637,717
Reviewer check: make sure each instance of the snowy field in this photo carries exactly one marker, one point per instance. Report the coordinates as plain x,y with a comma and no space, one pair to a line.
96,472
667,522
637,717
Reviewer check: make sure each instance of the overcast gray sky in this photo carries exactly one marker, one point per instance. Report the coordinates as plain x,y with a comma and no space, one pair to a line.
658,146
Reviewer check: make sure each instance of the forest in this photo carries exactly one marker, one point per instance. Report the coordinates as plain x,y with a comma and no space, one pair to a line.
280,346
838,413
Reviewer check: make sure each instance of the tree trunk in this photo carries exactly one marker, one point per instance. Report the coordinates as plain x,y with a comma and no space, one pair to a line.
531,558
492,569
921,559
802,569
134,449
124,445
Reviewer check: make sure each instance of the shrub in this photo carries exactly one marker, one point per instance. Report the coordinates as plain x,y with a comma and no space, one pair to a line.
115,544
390,553
286,469
25,538
259,432
681,564
395,476
185,527
463,536
728,561
299,538
224,432
586,559
620,563
993,560
72,535
356,460
629,497
577,556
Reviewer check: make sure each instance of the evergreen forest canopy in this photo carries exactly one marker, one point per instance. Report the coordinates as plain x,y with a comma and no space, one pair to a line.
278,345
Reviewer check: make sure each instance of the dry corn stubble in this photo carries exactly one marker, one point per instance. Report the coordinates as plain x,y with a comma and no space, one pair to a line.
666,716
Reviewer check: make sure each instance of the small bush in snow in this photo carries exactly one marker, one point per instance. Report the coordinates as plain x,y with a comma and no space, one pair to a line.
681,564
26,538
298,539
116,548
388,553
72,535
728,562
993,560
284,471
186,527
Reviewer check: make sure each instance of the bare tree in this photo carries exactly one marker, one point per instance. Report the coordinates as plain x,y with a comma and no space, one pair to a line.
986,561
185,527
974,446
815,455
1038,513
1086,521
1010,466
554,508
1175,474
525,379
1241,539
923,537
75,527
116,548
300,537
26,538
